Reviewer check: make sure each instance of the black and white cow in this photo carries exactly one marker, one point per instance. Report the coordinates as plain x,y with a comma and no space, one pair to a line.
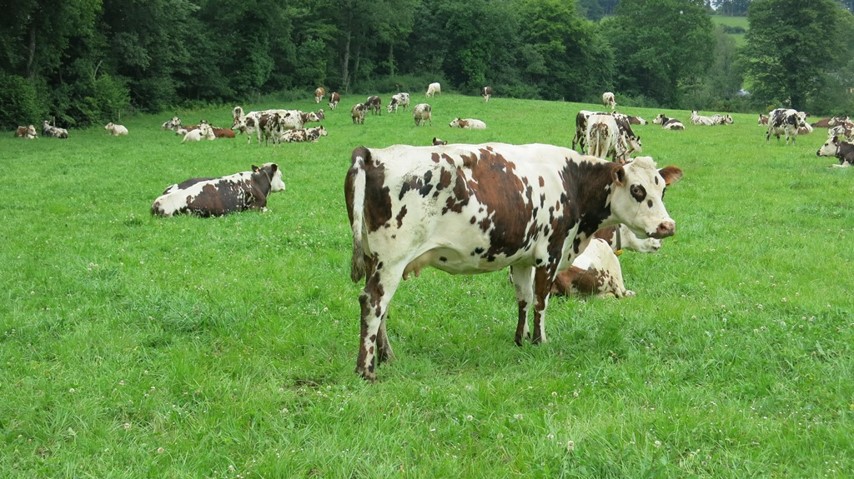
398,100
842,150
218,196
668,123
785,121
469,209
51,131
374,104
611,135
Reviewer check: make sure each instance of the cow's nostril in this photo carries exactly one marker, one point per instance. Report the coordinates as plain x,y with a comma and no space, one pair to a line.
665,229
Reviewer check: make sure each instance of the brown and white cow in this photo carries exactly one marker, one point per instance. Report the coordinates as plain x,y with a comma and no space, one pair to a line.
668,123
595,272
304,134
785,121
469,209
334,99
28,132
219,196
763,119
842,150
374,104
319,92
486,93
422,113
358,113
467,123
609,100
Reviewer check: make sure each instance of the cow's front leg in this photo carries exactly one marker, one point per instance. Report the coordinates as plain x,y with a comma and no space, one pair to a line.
522,280
542,285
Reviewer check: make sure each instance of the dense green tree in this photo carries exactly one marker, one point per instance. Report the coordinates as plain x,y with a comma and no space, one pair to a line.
790,47
659,46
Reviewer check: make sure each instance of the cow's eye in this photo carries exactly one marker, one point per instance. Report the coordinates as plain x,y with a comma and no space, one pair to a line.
638,192
662,192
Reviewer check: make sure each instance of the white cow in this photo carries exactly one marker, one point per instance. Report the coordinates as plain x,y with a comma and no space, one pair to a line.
116,130
467,123
595,272
204,131
422,113
609,100
434,88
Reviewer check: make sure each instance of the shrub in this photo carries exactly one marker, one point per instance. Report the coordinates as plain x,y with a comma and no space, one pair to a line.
19,102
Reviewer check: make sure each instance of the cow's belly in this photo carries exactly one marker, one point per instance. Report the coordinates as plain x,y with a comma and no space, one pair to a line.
456,262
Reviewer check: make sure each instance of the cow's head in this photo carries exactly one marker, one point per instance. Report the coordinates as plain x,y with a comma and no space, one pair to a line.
829,148
637,198
457,123
272,171
660,119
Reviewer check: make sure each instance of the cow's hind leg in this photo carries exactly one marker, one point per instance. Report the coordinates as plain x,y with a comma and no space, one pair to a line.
384,352
523,282
542,285
374,300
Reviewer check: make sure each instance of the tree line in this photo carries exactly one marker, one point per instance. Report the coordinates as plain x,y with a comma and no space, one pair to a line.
90,61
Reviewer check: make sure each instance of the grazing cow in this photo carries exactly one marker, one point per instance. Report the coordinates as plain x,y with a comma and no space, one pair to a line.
785,121
204,131
467,123
623,123
422,113
609,100
595,272
116,130
609,135
334,99
486,92
28,132
434,88
400,100
358,113
842,150
318,94
172,124
51,131
219,196
439,141
374,104
469,209
763,119
668,123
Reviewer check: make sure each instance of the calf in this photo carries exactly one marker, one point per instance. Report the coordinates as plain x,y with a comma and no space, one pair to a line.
358,113
486,92
116,130
668,123
422,113
609,100
219,196
595,272
28,132
842,150
334,99
375,104
318,94
400,100
785,121
469,209
467,123
433,88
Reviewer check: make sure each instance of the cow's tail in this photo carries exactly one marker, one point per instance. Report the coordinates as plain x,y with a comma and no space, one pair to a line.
598,140
354,193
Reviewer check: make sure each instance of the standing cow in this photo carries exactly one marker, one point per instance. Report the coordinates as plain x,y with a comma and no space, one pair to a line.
319,92
334,99
785,121
486,93
422,113
609,100
469,209
433,89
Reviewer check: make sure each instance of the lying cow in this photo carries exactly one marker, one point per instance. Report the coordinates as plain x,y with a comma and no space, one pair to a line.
116,130
668,123
785,121
467,123
219,196
469,209
203,132
28,132
51,131
304,134
842,150
439,141
172,124
595,272
422,113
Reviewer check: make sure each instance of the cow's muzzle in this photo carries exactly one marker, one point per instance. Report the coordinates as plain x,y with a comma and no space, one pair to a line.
665,229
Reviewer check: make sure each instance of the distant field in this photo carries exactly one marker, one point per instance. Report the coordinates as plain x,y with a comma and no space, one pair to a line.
733,22
133,346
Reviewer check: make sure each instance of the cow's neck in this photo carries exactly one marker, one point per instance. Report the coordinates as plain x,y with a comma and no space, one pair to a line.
594,182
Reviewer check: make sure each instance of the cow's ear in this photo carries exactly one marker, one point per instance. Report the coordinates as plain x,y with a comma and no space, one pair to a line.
619,175
274,167
255,168
835,139
671,174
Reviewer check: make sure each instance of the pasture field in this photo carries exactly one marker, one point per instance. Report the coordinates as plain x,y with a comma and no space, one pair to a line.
733,22
133,346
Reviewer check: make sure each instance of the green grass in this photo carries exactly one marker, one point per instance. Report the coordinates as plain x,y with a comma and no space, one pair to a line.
133,346
733,22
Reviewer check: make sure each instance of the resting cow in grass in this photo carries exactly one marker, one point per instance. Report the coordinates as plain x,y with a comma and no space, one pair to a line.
469,209
219,196
842,150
